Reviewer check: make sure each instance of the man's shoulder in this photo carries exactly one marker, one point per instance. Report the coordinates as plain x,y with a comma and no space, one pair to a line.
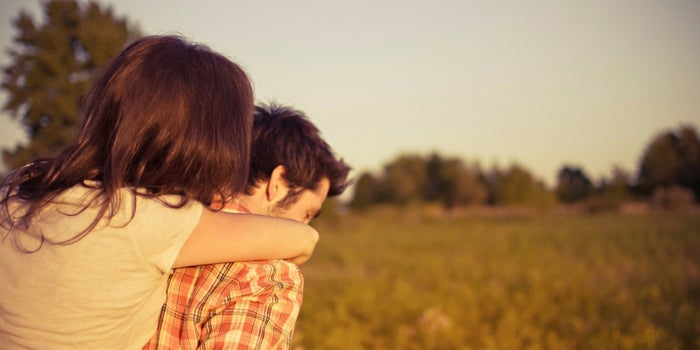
277,263
212,286
272,271
239,272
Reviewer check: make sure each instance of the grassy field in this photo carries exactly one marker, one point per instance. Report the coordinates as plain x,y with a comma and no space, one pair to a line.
391,280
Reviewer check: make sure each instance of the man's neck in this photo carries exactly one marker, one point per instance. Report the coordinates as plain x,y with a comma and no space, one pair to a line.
248,203
236,206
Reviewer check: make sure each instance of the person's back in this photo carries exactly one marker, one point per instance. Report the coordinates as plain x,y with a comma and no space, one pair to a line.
102,290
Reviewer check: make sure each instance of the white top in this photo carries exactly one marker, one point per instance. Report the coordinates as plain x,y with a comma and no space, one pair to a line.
102,292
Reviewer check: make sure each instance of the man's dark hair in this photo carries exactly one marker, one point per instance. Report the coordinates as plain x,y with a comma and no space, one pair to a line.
284,136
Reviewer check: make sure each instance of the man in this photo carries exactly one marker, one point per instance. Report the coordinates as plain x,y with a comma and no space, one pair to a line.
254,305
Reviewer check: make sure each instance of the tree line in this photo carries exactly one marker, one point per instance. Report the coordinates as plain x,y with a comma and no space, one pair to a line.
55,60
668,172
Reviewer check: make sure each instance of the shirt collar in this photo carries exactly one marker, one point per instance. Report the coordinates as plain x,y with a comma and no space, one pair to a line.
235,207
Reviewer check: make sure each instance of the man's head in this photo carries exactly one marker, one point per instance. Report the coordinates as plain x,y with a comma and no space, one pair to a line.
292,169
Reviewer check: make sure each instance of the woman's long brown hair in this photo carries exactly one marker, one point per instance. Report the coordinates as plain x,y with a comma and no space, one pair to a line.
167,117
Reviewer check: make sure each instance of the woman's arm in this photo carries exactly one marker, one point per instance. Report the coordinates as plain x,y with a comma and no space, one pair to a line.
226,237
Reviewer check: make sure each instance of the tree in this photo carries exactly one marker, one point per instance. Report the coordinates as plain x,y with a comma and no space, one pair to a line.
452,183
517,187
433,190
659,163
406,179
671,159
494,185
53,64
368,191
689,160
616,189
460,185
572,184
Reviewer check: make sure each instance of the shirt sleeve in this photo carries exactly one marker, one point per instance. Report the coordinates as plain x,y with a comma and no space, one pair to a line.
263,317
163,230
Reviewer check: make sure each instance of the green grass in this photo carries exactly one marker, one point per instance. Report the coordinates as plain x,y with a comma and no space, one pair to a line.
390,280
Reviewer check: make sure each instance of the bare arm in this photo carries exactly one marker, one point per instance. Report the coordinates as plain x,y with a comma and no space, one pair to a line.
226,237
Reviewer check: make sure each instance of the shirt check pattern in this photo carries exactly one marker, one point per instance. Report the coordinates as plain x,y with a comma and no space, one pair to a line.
241,305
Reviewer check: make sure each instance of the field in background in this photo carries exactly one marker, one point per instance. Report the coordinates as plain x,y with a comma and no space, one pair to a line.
395,279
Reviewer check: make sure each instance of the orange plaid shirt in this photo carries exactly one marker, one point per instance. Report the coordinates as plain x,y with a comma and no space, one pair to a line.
241,305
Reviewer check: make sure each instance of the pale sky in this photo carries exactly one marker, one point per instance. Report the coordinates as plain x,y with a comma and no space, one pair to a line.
542,83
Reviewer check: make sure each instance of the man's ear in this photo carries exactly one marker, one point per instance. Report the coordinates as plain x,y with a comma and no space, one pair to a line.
277,187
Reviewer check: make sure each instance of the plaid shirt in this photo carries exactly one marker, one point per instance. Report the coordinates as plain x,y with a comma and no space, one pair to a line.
241,305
